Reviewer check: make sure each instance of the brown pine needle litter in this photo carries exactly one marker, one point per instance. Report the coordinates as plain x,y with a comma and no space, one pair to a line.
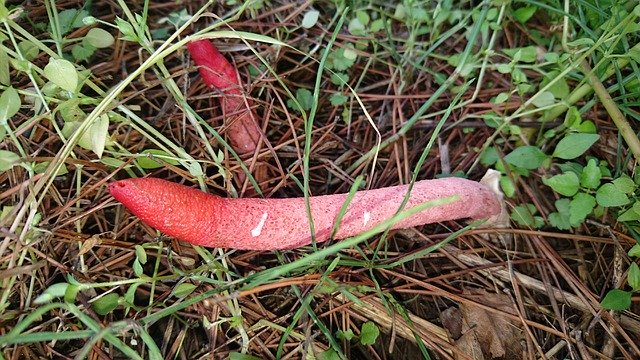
348,98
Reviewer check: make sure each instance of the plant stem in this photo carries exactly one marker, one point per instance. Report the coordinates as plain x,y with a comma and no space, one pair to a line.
628,134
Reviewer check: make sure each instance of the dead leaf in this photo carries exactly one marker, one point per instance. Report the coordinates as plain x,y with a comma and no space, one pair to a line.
483,334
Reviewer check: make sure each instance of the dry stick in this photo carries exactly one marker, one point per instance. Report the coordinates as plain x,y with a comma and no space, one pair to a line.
628,134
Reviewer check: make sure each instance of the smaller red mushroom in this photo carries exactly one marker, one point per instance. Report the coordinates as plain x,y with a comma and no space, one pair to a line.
273,224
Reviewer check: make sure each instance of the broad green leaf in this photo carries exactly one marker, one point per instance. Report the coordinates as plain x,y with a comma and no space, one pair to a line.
617,300
9,104
634,251
28,50
239,356
148,162
137,268
183,290
82,52
566,184
591,175
141,254
580,207
8,160
559,88
528,54
489,156
329,354
527,157
502,97
523,215
625,184
99,132
70,19
573,145
633,277
99,38
507,186
629,215
126,29
310,18
338,99
62,73
608,195
106,304
572,117
544,99
130,296
560,219
356,27
345,334
369,333
523,14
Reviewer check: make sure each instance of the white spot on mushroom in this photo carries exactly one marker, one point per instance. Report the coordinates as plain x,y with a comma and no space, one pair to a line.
258,229
366,217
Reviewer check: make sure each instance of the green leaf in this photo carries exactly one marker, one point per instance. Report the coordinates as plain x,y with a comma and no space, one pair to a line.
338,99
566,184
9,105
527,157
345,334
507,186
634,251
489,156
523,215
147,161
625,184
339,78
82,53
130,296
106,304
573,145
560,219
356,27
29,50
52,292
126,29
342,59
99,38
70,19
369,333
580,207
617,300
608,195
137,268
559,88
502,97
633,277
141,254
5,73
8,160
97,134
62,73
544,99
527,54
524,13
183,290
591,175
239,356
329,354
305,99
310,18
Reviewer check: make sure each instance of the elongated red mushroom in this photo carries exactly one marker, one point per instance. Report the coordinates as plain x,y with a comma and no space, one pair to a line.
241,121
271,224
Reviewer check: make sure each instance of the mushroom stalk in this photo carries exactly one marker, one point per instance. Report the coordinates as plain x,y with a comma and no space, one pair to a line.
273,224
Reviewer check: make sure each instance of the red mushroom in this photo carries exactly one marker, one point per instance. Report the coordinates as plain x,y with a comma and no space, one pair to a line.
271,224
